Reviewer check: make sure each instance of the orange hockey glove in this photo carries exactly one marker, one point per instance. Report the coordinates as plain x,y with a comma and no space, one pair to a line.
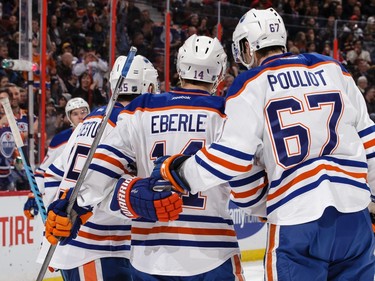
59,225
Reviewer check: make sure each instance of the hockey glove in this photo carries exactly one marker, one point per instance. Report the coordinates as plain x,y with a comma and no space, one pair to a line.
135,198
30,209
166,167
59,225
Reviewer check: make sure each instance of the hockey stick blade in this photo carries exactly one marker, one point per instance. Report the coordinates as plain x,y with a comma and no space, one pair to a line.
22,150
94,145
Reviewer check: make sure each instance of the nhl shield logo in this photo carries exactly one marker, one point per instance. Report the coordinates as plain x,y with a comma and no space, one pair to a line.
7,144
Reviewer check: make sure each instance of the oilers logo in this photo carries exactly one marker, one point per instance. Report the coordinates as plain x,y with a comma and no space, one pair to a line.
7,144
22,126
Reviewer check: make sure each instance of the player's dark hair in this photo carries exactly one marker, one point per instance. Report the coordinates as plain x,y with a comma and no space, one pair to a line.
122,98
270,50
197,83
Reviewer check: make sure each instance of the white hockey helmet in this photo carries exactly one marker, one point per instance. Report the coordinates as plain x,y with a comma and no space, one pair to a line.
261,28
75,103
202,58
140,77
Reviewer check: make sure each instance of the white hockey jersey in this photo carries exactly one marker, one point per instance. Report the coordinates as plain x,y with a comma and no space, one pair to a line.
102,235
55,149
303,118
181,121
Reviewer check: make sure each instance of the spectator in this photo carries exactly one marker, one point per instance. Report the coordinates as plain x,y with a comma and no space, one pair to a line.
13,76
104,18
55,32
99,38
361,68
370,99
53,123
7,153
292,18
326,32
51,64
362,83
13,45
94,65
12,25
159,39
23,99
66,48
369,37
63,99
20,114
311,47
353,27
133,13
4,80
64,66
327,49
186,33
203,28
369,7
143,47
71,84
358,53
77,34
300,41
90,18
19,176
348,43
147,30
88,90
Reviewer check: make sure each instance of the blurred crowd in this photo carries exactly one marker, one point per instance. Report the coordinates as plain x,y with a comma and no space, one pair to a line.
78,42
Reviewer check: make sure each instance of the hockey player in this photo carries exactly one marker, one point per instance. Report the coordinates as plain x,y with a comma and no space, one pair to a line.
303,118
201,244
101,249
76,109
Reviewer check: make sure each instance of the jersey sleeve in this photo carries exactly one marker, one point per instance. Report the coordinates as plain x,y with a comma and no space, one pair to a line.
112,159
54,151
249,191
230,156
55,171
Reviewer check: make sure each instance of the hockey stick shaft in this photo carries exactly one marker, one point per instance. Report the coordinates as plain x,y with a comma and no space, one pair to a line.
94,145
100,132
23,152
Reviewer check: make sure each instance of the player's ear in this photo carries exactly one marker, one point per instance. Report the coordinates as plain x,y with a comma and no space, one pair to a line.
151,89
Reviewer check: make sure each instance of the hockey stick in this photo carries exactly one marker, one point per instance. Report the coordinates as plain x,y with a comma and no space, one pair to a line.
23,152
94,145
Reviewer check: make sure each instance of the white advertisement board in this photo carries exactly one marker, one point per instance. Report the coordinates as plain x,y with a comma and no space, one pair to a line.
21,238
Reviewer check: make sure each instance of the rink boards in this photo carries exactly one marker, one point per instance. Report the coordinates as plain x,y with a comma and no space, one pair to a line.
21,238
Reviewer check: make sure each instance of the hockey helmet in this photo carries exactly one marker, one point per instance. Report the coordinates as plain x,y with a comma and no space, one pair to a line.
202,58
75,103
261,28
140,77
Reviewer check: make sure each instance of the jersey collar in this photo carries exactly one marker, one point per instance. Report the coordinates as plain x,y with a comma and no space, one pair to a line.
183,91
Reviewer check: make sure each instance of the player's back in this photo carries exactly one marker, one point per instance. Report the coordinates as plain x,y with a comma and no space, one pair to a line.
182,121
310,112
99,237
